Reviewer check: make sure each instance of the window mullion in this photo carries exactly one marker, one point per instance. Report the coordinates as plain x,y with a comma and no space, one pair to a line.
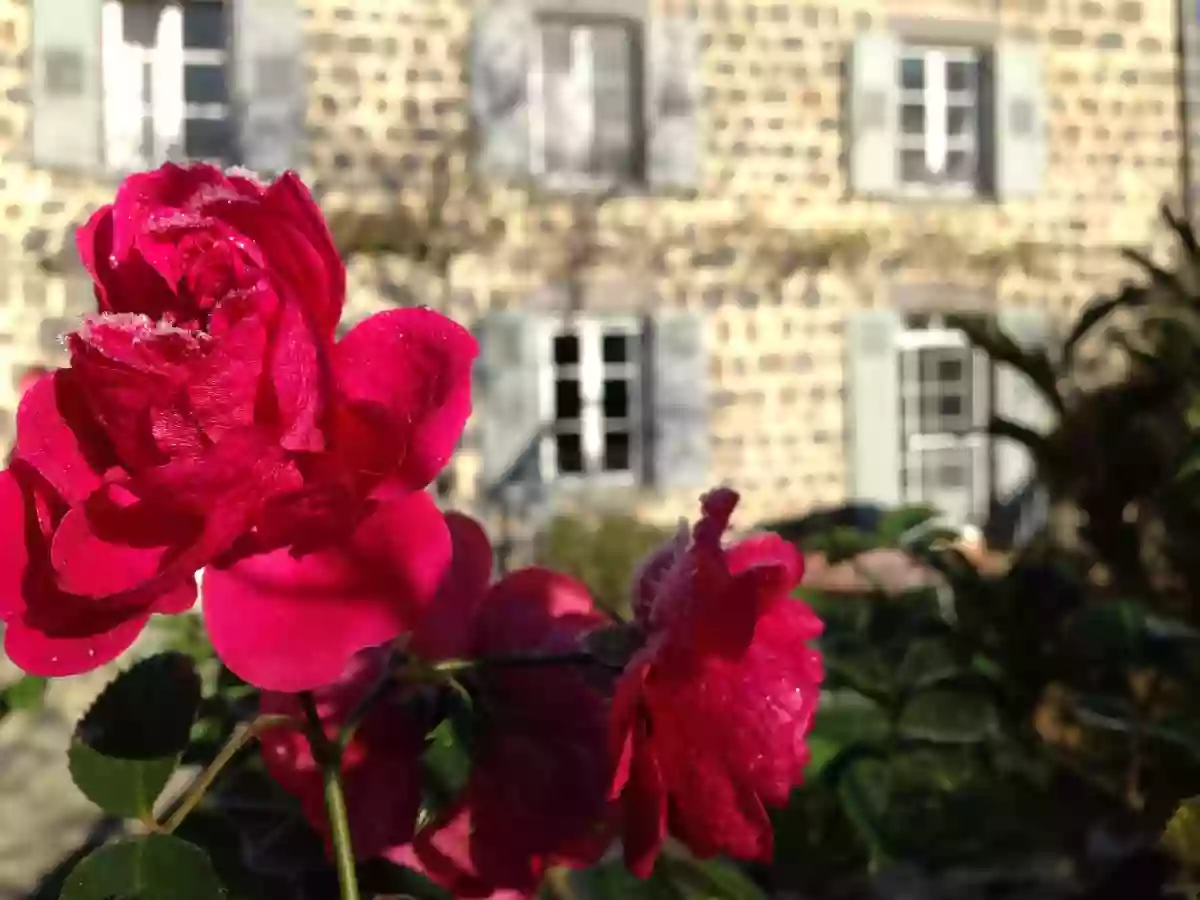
591,387
936,112
167,94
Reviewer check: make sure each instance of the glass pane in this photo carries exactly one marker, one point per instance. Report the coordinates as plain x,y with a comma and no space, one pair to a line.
567,404
616,348
139,22
566,350
960,75
205,84
960,165
912,73
207,138
912,119
570,453
950,369
617,451
616,398
912,166
960,120
203,26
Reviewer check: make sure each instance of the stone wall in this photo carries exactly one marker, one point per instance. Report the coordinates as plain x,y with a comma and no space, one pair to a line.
387,94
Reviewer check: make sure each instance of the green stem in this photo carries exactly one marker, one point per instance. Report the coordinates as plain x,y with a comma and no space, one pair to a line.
242,736
329,757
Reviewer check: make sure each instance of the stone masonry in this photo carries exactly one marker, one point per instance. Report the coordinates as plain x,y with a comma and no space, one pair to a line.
388,90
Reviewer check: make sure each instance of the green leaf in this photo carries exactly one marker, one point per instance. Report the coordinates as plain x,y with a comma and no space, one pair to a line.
157,867
950,716
845,718
128,744
709,879
446,761
25,694
926,662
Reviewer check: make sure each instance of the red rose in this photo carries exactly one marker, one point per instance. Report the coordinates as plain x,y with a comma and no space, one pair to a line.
536,795
710,717
207,413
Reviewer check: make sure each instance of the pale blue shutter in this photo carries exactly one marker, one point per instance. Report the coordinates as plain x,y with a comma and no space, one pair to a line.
66,87
677,439
873,406
874,114
502,52
673,98
271,84
1018,120
508,400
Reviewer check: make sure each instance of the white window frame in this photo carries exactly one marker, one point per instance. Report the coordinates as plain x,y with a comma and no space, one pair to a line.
592,372
914,443
124,69
936,100
583,79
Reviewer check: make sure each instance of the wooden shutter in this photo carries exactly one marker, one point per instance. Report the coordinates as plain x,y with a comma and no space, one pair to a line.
673,97
677,420
502,51
508,400
616,113
874,114
1017,399
873,413
66,87
1018,120
271,84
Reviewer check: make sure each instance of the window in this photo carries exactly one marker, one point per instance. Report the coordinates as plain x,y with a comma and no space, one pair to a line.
585,85
945,401
939,118
591,390
166,82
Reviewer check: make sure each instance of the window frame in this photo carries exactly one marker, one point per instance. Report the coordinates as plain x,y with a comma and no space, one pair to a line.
949,51
538,117
592,373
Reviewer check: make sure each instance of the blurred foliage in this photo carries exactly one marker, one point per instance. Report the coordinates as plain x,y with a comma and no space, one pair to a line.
603,552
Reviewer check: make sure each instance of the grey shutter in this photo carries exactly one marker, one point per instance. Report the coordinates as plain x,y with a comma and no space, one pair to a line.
1019,400
874,114
1018,120
873,412
67,85
507,401
502,52
612,49
676,416
673,94
271,83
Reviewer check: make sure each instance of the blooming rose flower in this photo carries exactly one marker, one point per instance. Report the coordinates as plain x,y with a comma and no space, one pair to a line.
536,794
208,414
710,716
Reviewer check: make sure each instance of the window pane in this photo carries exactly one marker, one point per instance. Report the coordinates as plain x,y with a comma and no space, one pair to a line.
616,398
912,119
567,404
566,350
205,84
960,75
960,165
616,348
570,453
203,26
613,79
617,451
960,120
139,22
912,73
912,166
207,138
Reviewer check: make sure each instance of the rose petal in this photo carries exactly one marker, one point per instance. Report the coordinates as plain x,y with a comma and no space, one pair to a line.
447,626
290,624
534,610
410,369
55,656
56,437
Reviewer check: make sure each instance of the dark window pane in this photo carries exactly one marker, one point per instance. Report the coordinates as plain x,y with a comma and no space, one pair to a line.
950,407
570,453
616,348
567,404
912,166
960,165
203,26
912,73
206,138
950,370
960,120
912,119
616,398
960,76
205,84
617,452
566,350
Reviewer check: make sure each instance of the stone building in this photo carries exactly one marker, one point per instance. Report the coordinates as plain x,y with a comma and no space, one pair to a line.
784,198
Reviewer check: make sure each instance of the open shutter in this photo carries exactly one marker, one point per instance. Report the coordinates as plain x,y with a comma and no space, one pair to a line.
673,89
873,413
676,414
271,84
1018,120
509,402
874,114
1017,399
502,53
67,84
